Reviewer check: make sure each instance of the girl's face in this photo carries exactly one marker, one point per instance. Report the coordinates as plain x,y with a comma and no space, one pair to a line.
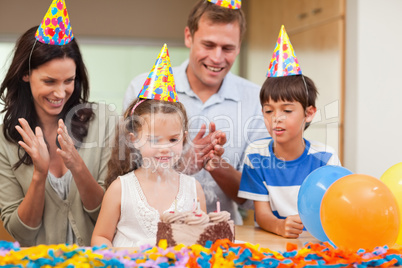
285,120
160,140
52,85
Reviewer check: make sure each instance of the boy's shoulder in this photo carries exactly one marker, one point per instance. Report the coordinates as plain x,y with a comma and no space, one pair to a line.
259,145
323,153
316,146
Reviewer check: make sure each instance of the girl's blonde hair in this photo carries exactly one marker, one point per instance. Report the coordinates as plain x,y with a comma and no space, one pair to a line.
125,158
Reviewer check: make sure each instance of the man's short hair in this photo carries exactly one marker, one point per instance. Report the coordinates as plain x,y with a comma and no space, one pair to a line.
216,14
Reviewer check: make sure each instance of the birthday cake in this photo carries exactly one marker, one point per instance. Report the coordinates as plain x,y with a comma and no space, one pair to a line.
195,227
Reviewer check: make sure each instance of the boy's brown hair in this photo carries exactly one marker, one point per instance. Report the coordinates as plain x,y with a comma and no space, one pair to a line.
216,14
289,88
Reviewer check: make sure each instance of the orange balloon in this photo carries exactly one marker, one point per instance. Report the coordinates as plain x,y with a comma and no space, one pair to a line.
359,211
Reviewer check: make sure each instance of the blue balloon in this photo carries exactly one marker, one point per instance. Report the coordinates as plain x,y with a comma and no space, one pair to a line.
158,90
310,196
54,11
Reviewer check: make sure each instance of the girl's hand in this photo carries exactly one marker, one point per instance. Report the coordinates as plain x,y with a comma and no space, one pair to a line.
34,144
292,227
67,152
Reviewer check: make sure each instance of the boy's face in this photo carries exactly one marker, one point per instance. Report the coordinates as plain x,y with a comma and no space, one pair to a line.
285,120
213,50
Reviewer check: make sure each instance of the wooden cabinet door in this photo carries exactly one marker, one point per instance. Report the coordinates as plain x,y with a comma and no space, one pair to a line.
296,14
264,17
323,10
304,13
319,47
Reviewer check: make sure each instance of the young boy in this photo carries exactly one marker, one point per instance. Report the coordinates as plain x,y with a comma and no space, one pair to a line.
275,167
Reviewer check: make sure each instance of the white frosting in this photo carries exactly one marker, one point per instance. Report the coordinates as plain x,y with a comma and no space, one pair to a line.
219,216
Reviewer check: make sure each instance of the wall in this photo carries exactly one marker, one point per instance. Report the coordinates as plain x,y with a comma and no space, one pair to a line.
110,67
148,19
373,110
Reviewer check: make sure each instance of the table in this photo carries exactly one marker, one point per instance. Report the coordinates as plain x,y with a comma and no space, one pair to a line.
256,235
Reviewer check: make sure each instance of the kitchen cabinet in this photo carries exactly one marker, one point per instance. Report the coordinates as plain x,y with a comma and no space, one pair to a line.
316,29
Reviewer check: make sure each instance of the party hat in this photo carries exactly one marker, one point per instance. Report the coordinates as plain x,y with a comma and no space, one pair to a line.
55,28
284,61
233,4
160,82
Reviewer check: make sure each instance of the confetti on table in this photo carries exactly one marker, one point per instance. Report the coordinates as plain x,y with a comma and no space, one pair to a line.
222,253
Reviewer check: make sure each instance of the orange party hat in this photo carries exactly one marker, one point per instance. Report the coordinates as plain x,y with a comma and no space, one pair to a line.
55,28
284,61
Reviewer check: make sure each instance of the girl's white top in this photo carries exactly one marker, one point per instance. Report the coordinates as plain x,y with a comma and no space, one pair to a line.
138,220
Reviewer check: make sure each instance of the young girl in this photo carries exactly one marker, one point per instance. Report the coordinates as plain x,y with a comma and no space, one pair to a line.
133,202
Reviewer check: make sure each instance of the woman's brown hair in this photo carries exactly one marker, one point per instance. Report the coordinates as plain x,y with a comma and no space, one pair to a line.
16,94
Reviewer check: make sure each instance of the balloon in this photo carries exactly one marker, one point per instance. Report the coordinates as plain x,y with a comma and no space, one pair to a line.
359,211
310,196
393,179
60,5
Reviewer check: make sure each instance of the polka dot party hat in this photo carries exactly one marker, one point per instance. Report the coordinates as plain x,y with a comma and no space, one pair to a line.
284,61
55,28
160,83
232,4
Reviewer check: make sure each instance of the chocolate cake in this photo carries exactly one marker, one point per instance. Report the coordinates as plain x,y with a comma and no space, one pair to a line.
196,227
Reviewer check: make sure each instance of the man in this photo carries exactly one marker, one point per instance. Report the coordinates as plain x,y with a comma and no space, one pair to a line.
211,93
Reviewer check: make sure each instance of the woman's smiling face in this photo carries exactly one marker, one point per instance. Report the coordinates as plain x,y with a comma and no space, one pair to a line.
52,85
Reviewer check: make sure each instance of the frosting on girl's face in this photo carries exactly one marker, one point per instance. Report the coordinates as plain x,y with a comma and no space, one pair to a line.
160,141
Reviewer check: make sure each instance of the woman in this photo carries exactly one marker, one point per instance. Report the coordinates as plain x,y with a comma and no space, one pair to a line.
54,145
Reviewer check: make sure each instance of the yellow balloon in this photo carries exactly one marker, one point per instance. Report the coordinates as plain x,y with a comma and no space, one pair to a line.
393,179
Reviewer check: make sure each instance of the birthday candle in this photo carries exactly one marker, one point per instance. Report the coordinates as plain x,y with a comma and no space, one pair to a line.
198,204
194,205
218,206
